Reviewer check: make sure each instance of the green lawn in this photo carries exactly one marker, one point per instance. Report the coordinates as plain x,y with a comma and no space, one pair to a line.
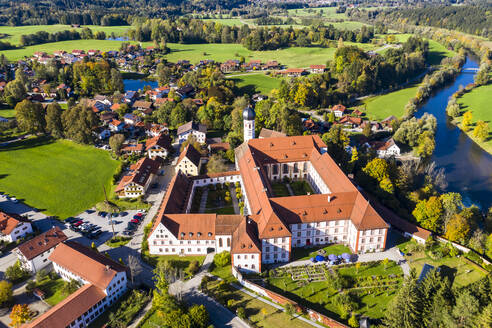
103,45
437,52
392,103
118,241
301,253
256,82
321,296
301,188
292,57
53,290
280,190
222,210
60,178
327,12
225,21
178,261
14,32
7,113
478,102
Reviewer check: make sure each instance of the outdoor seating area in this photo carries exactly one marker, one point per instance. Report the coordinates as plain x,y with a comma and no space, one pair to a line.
332,259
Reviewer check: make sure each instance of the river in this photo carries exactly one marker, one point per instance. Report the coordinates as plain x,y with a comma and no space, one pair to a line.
468,168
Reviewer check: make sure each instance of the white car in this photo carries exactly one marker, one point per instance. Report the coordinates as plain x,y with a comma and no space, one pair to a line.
14,200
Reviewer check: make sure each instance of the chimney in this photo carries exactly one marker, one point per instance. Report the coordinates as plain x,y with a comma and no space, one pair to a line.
329,198
107,267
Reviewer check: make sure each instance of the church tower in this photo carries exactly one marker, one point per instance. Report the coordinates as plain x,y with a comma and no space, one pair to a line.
249,123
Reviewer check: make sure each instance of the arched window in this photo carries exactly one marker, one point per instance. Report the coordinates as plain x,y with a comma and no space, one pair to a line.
220,242
228,242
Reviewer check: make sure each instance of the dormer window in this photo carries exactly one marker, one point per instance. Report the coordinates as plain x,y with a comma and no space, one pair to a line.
182,234
191,234
339,211
199,234
210,234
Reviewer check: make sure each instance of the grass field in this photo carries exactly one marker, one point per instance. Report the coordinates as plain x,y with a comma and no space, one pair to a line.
7,113
437,52
393,103
103,45
255,82
14,32
53,290
301,253
292,57
60,177
478,102
327,12
225,21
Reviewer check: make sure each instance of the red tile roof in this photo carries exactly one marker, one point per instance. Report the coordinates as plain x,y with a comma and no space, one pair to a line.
190,153
8,222
42,242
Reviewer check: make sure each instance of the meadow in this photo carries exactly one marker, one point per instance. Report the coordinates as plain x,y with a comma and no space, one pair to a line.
103,45
59,177
14,32
255,82
478,102
392,103
7,113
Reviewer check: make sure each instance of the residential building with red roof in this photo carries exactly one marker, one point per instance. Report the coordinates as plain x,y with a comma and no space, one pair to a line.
136,182
338,110
189,161
102,281
160,145
33,254
13,227
316,69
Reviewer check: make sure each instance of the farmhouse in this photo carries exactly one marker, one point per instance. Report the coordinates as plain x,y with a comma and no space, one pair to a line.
13,227
137,181
336,212
189,161
338,110
33,254
316,69
199,131
385,148
158,146
103,281
116,126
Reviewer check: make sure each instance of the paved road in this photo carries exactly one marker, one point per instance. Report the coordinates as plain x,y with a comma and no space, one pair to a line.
189,291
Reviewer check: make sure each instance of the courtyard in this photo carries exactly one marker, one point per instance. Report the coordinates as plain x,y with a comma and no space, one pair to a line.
220,198
291,188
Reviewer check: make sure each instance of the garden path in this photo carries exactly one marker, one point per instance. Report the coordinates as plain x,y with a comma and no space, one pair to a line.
235,202
203,201
289,188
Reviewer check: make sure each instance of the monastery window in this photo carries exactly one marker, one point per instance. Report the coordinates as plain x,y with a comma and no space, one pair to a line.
299,234
336,230
245,256
160,250
318,232
167,250
220,242
252,266
371,240
285,168
189,250
228,242
299,226
239,257
275,169
296,168
379,239
362,240
305,166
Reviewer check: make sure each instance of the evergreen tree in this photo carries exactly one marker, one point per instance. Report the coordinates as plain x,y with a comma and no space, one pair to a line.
404,311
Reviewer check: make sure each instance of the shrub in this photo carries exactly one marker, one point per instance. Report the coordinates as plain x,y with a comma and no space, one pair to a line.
53,275
241,313
222,259
230,303
30,285
193,268
16,273
40,275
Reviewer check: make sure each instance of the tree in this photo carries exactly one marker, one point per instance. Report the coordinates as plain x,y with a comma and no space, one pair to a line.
5,291
453,108
290,309
404,309
353,322
54,124
488,246
222,259
385,263
193,268
134,266
457,229
481,130
428,213
116,142
70,287
20,314
355,155
78,123
164,74
30,116
357,267
367,130
216,164
466,309
15,272
40,275
467,120
199,316
117,80
378,169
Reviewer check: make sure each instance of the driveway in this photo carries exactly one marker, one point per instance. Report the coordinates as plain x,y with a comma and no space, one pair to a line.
190,293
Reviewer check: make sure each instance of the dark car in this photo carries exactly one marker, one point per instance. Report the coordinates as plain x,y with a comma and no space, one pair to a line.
89,211
115,215
103,214
123,213
95,234
138,218
71,220
131,226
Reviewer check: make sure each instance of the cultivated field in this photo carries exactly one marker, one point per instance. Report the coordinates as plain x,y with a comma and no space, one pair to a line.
60,177
14,32
478,102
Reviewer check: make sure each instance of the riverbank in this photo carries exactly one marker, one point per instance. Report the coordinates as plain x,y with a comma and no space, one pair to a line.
477,101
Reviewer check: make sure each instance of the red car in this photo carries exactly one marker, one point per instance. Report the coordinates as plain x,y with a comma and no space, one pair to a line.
135,221
78,223
140,214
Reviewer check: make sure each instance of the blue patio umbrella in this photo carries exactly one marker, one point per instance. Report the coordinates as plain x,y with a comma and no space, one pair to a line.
319,258
332,257
346,256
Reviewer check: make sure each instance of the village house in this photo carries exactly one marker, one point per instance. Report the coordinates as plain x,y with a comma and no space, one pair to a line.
103,281
154,129
130,97
293,72
252,65
317,69
13,227
185,92
338,110
136,182
350,122
199,131
116,126
189,161
132,149
142,105
272,64
131,119
160,146
230,65
33,254
386,148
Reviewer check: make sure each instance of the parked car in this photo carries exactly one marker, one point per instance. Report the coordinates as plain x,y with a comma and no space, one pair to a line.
78,223
103,214
71,219
95,234
123,213
89,211
136,217
131,226
114,215
14,200
114,222
134,221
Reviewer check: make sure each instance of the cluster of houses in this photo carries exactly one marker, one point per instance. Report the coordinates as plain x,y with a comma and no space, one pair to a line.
102,281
